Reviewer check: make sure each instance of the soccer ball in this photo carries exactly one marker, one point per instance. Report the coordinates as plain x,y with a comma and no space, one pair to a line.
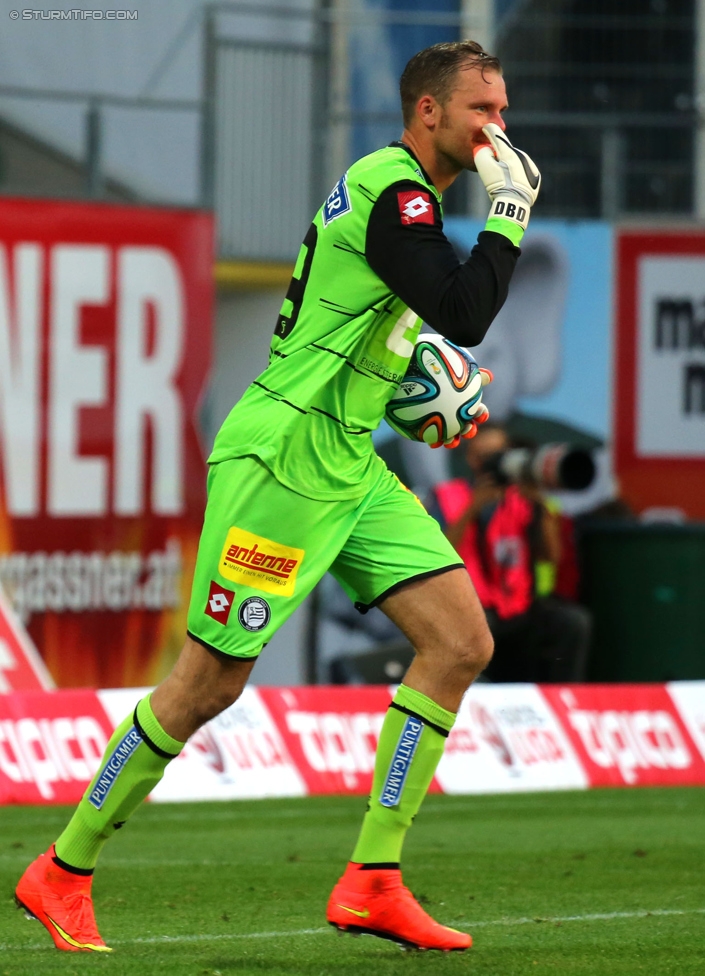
440,394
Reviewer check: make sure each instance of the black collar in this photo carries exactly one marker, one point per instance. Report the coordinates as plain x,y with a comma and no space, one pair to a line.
402,145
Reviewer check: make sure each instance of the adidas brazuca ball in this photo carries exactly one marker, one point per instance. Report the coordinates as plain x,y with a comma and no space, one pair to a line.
440,394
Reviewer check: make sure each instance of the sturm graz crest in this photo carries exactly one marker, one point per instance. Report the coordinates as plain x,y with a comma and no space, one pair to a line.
254,613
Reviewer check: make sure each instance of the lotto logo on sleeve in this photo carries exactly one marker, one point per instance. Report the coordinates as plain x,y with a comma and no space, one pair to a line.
415,207
260,563
219,602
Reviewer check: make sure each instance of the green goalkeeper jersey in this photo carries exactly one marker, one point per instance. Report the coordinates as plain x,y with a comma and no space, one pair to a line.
340,349
346,330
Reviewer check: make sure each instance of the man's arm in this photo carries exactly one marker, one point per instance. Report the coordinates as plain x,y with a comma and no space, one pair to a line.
412,255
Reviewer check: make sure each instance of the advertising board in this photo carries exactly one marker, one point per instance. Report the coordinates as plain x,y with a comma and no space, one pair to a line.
21,667
660,369
628,735
51,745
238,755
322,740
507,739
105,339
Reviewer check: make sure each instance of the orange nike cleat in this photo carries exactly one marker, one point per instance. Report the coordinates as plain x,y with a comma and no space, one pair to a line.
375,902
61,901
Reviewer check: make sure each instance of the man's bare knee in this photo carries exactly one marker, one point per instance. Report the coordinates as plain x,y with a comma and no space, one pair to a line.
444,621
212,703
201,686
473,653
465,653
484,649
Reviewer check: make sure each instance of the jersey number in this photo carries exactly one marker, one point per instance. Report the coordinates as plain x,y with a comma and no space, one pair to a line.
397,341
295,294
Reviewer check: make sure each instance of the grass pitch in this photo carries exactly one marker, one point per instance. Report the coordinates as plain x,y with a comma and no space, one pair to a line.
608,882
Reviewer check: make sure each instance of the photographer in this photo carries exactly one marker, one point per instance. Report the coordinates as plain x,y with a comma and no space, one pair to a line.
509,538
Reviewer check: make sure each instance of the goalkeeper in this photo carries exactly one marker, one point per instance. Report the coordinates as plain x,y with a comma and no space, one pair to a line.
295,489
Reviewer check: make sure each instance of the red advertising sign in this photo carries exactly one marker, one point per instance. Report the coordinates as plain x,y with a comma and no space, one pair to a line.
105,336
331,733
50,745
21,667
660,370
298,741
627,735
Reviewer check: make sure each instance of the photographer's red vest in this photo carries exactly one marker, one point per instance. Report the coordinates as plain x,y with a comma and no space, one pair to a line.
497,554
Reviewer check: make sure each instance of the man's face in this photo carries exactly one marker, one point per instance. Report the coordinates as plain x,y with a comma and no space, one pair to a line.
476,100
484,445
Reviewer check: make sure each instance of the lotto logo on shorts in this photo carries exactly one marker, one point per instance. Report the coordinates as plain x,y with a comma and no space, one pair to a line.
260,563
219,602
415,207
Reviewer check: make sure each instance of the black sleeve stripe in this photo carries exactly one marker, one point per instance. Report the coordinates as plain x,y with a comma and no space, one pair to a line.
367,193
346,427
277,396
337,305
350,250
333,352
417,262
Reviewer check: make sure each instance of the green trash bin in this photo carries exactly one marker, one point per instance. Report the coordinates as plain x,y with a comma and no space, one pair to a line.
645,585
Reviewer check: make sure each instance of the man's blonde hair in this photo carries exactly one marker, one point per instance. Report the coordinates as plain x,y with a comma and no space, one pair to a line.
433,72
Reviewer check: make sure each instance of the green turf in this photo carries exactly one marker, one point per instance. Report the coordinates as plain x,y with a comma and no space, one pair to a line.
235,885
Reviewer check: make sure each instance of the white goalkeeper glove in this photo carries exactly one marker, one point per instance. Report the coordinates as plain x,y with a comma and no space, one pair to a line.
480,415
511,178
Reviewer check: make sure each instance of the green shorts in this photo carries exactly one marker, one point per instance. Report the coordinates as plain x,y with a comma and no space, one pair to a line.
264,547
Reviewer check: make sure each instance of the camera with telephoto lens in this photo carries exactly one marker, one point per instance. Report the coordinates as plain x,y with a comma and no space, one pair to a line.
553,467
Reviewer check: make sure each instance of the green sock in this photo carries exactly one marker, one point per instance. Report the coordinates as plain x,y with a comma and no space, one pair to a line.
410,746
133,764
